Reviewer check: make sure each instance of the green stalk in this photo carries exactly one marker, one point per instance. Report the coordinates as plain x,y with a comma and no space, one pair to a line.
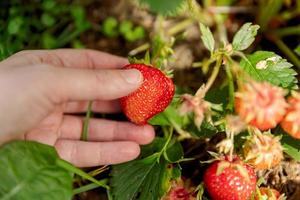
214,74
84,135
180,26
85,188
71,168
231,88
292,30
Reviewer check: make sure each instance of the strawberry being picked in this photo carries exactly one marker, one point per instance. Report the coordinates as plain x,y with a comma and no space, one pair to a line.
230,180
153,96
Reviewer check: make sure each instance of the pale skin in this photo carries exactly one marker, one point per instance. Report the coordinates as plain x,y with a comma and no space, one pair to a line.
41,90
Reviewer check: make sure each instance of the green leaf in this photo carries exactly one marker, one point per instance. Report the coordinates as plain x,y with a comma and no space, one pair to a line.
244,37
28,170
160,120
14,25
145,181
174,152
109,27
79,16
48,4
207,130
292,151
164,7
267,66
147,178
169,115
140,180
48,41
297,50
47,19
207,37
291,146
155,146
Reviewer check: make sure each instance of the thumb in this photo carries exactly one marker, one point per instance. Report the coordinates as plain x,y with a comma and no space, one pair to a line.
93,84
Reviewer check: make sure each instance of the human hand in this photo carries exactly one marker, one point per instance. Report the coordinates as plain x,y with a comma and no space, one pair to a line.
41,89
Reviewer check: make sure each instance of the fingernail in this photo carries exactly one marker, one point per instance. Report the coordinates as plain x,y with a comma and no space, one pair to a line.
132,76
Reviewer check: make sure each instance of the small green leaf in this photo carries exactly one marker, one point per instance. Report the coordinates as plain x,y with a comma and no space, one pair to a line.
48,41
109,27
78,13
207,37
244,37
164,7
267,66
152,148
169,115
297,50
28,170
125,27
159,120
77,44
47,19
291,145
291,151
174,152
48,4
14,25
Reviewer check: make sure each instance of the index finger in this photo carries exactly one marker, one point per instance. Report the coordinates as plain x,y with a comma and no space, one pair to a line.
78,58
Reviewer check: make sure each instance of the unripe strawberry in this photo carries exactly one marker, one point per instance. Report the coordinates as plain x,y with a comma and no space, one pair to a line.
291,122
268,194
152,97
261,104
263,150
180,190
178,193
230,180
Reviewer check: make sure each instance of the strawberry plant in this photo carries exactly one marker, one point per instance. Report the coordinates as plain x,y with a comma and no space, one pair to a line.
226,119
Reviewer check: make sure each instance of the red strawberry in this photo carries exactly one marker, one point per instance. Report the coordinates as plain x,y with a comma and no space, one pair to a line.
261,104
153,96
230,180
291,122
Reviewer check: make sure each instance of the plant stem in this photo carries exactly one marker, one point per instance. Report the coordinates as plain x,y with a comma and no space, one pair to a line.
139,49
180,26
71,168
230,89
292,30
214,74
182,134
286,50
85,188
232,148
94,172
84,135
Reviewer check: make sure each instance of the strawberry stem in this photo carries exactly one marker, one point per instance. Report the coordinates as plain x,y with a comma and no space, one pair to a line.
84,135
214,74
231,149
71,168
231,88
